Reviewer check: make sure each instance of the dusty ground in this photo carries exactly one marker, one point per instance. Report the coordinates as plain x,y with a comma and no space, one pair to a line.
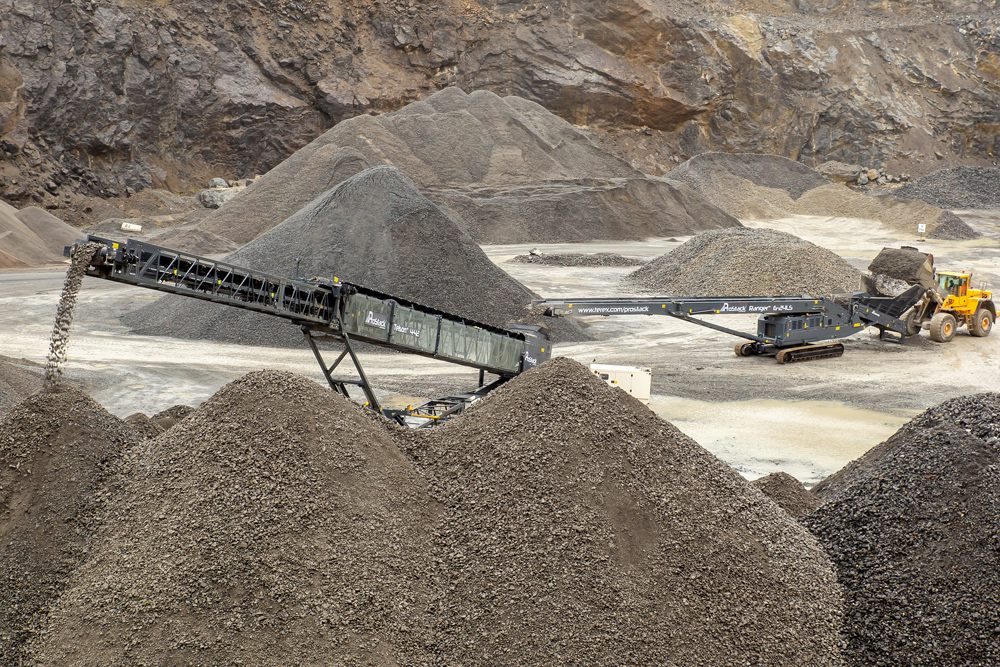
807,419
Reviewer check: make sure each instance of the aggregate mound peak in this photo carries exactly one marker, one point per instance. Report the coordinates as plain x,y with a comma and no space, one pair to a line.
576,527
747,262
279,524
32,237
489,160
59,452
913,529
376,230
956,188
788,493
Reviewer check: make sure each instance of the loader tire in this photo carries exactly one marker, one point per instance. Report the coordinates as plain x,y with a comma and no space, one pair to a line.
943,327
913,326
981,324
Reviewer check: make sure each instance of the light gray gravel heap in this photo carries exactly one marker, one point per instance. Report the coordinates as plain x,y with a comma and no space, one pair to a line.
788,493
914,531
59,454
277,525
575,259
956,188
376,230
747,262
575,527
710,171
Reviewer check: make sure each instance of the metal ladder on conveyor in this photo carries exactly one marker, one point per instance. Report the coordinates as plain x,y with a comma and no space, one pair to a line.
335,311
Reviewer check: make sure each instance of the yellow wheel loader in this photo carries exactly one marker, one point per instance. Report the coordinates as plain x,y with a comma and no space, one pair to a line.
948,303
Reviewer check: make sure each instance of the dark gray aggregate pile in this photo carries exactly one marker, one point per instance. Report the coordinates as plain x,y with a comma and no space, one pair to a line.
710,171
167,418
498,160
913,528
376,230
788,493
59,452
952,228
142,426
956,188
571,259
577,528
18,380
747,262
277,525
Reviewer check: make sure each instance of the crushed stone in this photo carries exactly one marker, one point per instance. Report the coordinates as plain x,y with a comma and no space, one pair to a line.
912,527
956,188
64,312
576,259
375,230
746,262
18,380
788,493
59,454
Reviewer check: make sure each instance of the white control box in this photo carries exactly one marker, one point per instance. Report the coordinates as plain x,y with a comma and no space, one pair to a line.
631,380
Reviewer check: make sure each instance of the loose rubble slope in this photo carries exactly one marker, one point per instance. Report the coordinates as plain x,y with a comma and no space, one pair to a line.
376,230
17,382
912,527
767,187
788,493
59,453
576,527
956,188
456,147
277,525
747,262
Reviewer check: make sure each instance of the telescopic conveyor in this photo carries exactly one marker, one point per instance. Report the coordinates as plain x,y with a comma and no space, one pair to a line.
793,328
333,309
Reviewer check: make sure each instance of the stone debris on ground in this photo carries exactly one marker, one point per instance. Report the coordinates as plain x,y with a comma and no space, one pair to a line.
956,188
746,262
913,529
375,230
64,312
18,380
769,187
59,454
788,493
578,259
32,237
577,527
493,161
279,524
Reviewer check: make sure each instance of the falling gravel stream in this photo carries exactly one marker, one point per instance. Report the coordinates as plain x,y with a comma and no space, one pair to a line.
64,313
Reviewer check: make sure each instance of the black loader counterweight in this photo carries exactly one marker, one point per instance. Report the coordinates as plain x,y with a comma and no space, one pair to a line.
793,328
339,311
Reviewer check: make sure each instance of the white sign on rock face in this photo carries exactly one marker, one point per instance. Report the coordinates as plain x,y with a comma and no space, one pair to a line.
921,228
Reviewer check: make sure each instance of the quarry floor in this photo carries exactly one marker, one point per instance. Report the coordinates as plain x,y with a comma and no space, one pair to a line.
807,419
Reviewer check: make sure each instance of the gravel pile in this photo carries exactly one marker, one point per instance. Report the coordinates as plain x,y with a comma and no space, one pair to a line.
768,187
59,452
376,230
494,161
788,493
167,418
142,427
277,525
956,188
596,259
747,262
898,263
32,237
912,527
17,382
577,528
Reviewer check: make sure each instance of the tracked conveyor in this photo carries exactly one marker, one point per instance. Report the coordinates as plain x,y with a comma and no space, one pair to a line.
333,309
793,328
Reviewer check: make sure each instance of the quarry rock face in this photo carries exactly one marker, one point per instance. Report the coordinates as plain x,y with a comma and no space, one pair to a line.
100,97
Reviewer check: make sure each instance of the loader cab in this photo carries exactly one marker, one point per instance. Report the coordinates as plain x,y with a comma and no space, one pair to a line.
956,284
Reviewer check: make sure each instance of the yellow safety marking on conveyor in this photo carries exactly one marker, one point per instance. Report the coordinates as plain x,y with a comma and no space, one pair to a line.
858,324
837,329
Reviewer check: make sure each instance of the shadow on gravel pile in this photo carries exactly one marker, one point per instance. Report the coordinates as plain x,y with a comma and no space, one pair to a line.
914,529
59,454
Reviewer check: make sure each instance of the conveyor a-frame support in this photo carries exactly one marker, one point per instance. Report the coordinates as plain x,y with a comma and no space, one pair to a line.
339,384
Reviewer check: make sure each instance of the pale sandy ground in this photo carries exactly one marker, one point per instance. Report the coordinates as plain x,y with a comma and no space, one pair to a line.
807,419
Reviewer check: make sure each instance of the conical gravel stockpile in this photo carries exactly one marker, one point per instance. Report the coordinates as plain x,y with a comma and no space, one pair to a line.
376,230
914,530
59,455
577,528
277,525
